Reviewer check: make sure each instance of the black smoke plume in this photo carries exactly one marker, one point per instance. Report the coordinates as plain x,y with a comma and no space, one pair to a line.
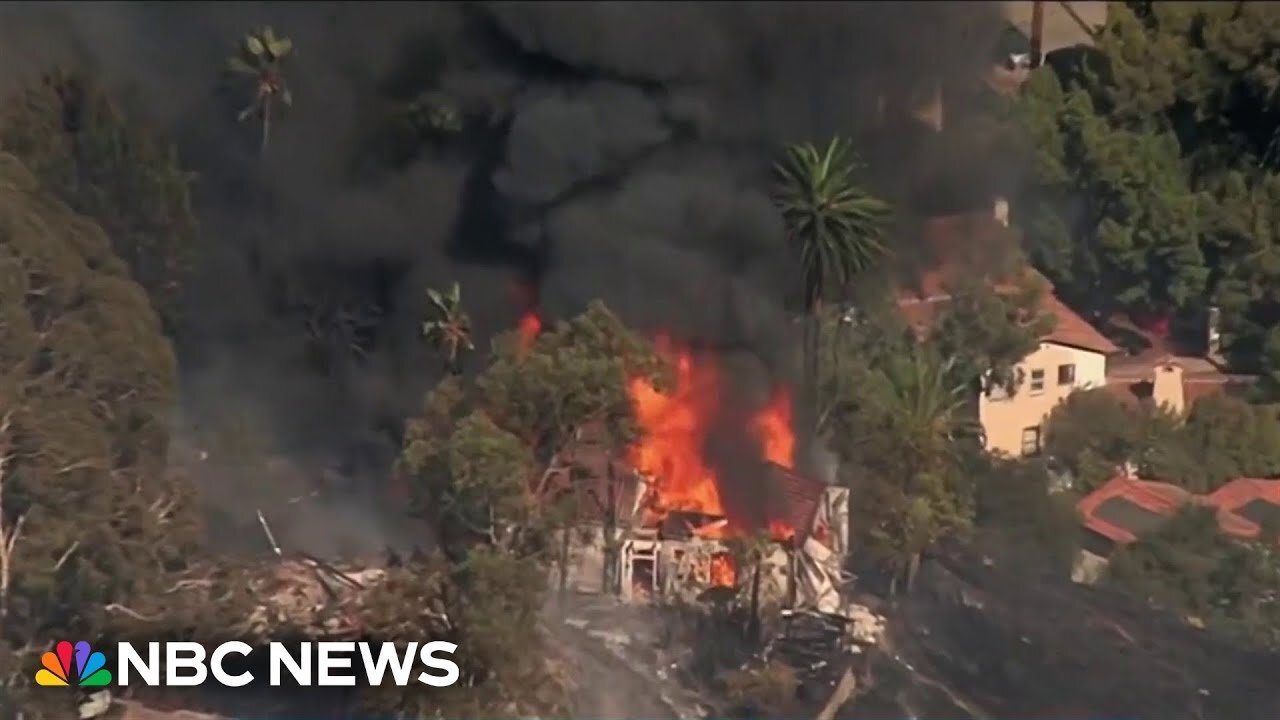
585,150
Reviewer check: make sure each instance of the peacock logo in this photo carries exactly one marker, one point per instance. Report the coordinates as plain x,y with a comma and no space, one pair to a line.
89,670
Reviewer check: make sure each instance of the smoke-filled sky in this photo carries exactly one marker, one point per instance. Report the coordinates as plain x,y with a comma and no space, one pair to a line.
610,150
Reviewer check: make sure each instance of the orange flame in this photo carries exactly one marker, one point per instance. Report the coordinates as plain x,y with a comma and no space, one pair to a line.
772,427
722,571
781,531
674,429
528,328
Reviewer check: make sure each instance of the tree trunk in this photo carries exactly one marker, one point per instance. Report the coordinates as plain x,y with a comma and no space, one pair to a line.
807,412
266,124
611,579
753,624
913,567
564,561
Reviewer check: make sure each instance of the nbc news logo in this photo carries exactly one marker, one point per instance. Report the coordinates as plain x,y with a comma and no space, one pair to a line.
305,664
73,666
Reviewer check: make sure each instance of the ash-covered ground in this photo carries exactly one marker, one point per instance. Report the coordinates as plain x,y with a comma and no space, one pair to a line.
970,642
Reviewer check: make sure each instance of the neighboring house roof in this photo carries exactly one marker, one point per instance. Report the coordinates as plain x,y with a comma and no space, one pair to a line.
1251,499
1137,393
962,246
1130,379
1119,521
1126,507
1066,24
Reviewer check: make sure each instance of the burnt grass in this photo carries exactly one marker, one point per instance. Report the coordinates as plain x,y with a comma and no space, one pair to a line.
1015,645
975,641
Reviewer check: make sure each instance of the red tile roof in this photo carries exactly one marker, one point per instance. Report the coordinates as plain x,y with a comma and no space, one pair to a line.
1073,330
971,246
1131,382
801,497
1157,497
1238,493
1242,491
922,308
1166,499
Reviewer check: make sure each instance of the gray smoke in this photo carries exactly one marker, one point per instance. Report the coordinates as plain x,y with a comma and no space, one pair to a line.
608,150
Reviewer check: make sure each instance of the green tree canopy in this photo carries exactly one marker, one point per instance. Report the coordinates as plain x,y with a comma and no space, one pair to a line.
1231,438
901,428
1154,181
1016,518
1112,219
84,148
1092,433
1223,437
475,460
989,333
88,516
1188,566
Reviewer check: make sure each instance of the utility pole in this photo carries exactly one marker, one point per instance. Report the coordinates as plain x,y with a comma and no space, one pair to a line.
1037,33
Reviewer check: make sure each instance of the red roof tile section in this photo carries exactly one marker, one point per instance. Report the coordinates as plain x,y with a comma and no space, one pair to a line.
1074,330
1130,379
961,247
1166,499
1157,497
803,496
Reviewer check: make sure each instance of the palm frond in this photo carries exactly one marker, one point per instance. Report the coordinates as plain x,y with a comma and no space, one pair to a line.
450,329
254,44
838,225
240,66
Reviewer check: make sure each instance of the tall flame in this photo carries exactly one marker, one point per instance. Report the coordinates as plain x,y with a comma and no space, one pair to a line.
772,427
528,328
674,430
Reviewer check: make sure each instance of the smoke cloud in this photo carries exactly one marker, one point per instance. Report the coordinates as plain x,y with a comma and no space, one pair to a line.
605,150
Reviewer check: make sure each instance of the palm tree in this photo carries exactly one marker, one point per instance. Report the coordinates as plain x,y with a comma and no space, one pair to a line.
927,409
450,330
261,55
837,227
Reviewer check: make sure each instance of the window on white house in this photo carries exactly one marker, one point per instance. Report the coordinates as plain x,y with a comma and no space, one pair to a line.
1066,374
1037,382
1031,441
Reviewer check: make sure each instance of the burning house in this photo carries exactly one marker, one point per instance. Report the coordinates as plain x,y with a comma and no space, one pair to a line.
652,521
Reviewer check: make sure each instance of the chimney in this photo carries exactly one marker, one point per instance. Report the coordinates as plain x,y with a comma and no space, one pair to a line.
1037,32
1213,334
1000,211
1166,387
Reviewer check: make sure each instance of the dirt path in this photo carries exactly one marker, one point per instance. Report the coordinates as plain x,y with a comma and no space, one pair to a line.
607,687
619,677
